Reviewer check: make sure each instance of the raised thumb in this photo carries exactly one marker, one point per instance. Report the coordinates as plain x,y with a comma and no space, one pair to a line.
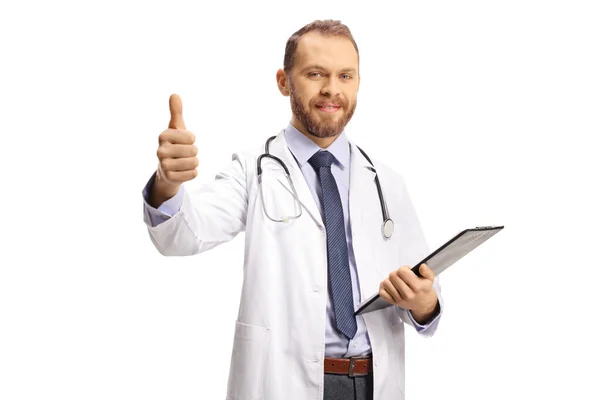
176,113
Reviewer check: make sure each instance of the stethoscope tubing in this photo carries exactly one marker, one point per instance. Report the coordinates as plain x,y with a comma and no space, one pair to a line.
387,227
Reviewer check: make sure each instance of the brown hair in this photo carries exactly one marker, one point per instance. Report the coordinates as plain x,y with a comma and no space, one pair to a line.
326,27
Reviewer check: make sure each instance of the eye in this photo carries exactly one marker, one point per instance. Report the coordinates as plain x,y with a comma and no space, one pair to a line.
315,74
346,77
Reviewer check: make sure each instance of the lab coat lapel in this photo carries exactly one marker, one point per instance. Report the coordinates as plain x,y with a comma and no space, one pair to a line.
362,182
280,149
364,211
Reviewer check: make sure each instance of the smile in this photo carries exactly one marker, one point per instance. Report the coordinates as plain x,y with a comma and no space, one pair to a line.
329,108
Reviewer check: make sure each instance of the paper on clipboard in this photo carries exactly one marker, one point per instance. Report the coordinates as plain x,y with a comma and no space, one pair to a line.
442,258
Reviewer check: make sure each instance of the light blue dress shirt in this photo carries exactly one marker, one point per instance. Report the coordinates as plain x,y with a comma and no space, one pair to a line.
302,148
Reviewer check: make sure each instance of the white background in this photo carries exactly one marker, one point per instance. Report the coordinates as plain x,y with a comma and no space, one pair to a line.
490,110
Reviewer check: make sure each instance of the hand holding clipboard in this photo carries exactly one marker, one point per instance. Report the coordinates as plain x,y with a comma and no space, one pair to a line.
442,258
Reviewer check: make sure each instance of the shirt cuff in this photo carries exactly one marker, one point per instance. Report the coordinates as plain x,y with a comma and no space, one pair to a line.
166,210
420,327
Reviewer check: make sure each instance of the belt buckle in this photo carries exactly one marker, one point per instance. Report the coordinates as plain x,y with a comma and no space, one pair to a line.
351,371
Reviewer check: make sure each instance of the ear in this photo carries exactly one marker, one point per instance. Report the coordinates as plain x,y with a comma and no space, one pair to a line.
282,83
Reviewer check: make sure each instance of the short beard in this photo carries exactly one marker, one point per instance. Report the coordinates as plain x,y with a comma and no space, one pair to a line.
313,127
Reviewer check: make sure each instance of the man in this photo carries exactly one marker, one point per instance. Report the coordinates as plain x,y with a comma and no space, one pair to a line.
314,248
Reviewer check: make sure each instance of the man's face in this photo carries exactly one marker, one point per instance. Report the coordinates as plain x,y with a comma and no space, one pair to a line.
324,84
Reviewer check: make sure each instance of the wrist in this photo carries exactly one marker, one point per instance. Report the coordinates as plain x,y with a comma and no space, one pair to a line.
425,313
162,191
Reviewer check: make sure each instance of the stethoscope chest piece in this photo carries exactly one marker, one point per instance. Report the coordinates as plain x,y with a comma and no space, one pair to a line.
387,228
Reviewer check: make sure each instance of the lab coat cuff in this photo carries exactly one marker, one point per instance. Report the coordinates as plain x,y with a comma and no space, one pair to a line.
155,216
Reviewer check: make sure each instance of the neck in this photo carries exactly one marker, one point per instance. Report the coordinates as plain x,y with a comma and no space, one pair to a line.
321,142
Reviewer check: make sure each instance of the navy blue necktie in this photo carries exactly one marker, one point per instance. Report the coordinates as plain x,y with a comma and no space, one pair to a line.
338,266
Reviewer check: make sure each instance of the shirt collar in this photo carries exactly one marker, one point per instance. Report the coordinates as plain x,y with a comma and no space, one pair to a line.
303,148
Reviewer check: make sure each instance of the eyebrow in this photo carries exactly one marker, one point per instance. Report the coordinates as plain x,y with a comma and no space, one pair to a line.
317,66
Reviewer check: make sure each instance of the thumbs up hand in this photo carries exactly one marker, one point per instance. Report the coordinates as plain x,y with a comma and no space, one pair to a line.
177,156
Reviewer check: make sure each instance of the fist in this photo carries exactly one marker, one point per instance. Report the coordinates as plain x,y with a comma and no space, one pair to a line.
407,290
177,154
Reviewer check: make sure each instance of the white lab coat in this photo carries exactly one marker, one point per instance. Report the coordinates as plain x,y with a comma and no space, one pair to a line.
279,339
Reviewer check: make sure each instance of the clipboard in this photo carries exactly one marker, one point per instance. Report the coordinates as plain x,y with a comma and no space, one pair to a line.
442,258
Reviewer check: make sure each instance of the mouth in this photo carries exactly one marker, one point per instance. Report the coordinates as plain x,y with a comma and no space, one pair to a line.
328,107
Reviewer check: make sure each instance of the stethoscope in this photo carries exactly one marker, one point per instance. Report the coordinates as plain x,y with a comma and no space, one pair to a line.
387,227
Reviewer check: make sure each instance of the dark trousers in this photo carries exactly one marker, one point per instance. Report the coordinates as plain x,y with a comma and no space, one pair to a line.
344,387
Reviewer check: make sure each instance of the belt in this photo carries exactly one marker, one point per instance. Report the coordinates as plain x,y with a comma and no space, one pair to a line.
354,366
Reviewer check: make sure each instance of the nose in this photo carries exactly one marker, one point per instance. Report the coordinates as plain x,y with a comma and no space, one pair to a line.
331,87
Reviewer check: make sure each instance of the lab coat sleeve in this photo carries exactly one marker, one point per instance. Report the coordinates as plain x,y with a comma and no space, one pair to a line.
212,214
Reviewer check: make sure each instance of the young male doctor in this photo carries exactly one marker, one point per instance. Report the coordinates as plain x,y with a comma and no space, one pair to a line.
315,245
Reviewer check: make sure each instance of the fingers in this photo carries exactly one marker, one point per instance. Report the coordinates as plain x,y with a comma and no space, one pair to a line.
388,287
168,150
179,164
176,108
405,289
180,176
176,136
406,292
386,296
415,282
408,278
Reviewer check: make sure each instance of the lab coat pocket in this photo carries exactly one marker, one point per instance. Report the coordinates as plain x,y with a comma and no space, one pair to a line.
248,362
